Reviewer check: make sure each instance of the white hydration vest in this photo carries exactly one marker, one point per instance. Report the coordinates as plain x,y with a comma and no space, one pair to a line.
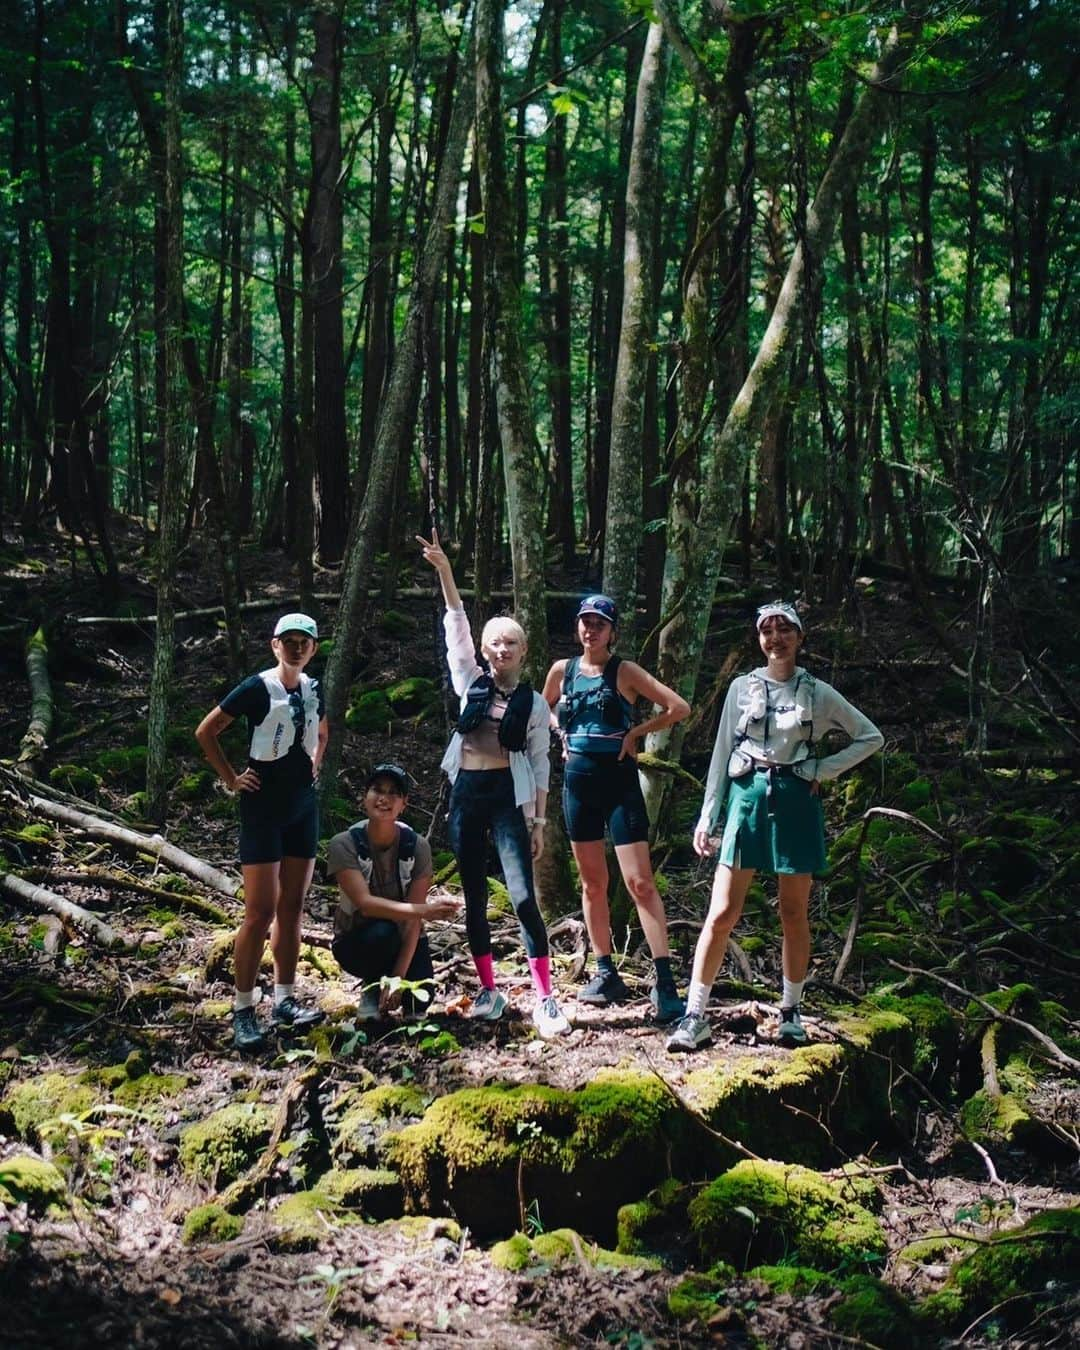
753,727
273,738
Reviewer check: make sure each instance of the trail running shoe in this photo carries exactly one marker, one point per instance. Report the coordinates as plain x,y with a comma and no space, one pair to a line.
548,1018
488,1006
368,1010
791,1030
247,1035
667,1004
605,987
691,1034
293,1015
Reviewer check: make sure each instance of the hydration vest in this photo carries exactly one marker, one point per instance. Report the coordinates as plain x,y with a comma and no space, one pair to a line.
753,724
275,735
406,855
514,726
604,700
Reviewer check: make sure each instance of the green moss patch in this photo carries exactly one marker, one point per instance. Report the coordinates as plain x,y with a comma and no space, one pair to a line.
369,712
562,1244
790,1279
375,1191
366,1118
30,1105
760,1212
303,1220
697,1298
871,1311
26,1179
225,1144
643,1225
211,1223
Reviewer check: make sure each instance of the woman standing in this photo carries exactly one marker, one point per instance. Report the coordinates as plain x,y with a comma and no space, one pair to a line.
595,695
497,762
765,764
279,817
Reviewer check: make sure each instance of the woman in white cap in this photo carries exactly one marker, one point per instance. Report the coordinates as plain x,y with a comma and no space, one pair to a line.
594,695
766,767
279,817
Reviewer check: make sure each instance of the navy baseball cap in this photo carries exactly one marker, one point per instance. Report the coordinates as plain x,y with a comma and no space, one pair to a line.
602,605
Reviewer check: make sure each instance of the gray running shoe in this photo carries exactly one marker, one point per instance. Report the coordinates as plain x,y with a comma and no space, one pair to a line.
605,987
368,1011
691,1034
791,1030
293,1015
667,1005
247,1035
488,1006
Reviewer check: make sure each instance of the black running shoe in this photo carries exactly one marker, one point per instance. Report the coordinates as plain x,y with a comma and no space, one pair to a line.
289,1013
605,987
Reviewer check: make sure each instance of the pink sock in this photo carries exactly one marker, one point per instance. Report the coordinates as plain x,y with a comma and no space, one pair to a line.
541,974
485,968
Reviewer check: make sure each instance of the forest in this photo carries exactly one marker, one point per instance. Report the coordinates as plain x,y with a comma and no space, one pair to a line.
698,304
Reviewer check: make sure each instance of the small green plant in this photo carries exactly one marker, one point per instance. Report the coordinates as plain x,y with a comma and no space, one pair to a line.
89,1135
534,1225
334,1278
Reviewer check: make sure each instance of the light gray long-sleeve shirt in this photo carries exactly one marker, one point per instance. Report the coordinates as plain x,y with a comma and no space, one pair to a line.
782,736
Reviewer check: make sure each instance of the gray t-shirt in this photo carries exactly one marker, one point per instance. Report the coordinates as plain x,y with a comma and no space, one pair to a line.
341,856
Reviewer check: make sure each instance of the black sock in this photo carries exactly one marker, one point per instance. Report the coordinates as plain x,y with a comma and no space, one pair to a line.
605,965
663,970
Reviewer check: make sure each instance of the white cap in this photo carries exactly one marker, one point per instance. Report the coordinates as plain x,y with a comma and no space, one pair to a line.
297,623
779,609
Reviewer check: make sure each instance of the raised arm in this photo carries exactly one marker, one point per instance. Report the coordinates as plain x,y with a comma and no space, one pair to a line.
434,554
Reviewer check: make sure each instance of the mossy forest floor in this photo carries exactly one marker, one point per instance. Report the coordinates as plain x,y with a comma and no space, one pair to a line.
909,1178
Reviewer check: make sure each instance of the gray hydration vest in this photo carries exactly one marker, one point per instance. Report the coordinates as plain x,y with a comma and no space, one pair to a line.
753,726
406,855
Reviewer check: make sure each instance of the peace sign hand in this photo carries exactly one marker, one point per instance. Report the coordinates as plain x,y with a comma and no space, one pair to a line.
433,551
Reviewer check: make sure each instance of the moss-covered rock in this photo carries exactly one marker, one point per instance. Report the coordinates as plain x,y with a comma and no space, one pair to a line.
365,1118
375,1191
559,1245
194,787
33,1103
75,779
394,624
1015,1271
226,1142
584,1152
303,1220
643,1225
758,1212
26,1179
873,1312
698,1296
412,695
936,1031
369,712
211,1223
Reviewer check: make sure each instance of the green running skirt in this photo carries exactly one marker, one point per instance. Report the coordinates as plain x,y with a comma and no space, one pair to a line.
784,835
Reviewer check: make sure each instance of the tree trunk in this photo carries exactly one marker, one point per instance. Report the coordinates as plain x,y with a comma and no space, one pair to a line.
692,572
398,405
517,430
637,332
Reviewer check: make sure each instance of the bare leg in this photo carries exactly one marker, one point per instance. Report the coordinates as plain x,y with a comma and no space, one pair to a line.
593,870
730,885
260,902
636,867
296,874
794,917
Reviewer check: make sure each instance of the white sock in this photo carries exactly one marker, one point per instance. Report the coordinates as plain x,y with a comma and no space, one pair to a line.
697,999
282,992
792,992
243,1000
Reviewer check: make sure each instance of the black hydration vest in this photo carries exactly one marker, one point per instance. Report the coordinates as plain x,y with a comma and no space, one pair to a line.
609,705
406,854
514,727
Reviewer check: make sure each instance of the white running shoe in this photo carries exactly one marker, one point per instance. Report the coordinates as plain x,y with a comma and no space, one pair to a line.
488,1006
548,1019
691,1034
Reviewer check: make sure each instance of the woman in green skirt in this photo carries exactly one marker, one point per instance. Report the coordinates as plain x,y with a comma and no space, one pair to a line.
766,768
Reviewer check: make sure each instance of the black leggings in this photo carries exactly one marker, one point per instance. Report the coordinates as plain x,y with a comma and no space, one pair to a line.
482,806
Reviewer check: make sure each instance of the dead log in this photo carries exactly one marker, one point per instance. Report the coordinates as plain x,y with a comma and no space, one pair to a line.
119,881
97,828
35,742
41,898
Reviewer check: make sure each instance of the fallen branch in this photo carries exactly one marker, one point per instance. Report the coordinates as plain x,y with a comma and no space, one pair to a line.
35,742
696,1115
1050,1046
42,898
117,881
97,828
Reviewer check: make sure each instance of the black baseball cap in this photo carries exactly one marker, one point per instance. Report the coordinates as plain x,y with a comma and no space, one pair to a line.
394,771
